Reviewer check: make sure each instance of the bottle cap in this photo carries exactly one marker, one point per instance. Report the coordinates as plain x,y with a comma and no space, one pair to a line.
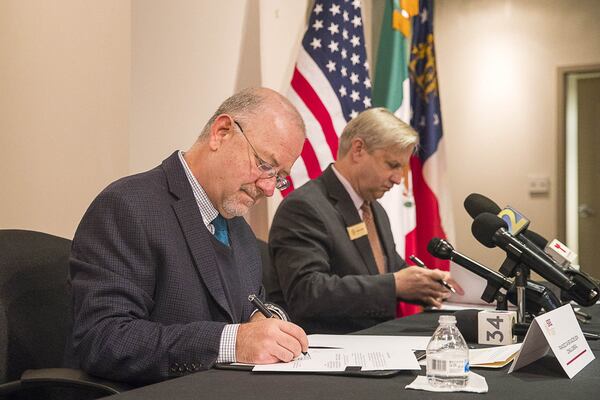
447,319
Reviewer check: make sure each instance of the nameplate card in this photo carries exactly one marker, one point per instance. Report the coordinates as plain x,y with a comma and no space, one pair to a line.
557,332
357,231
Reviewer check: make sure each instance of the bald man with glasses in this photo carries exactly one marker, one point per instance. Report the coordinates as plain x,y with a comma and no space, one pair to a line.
163,263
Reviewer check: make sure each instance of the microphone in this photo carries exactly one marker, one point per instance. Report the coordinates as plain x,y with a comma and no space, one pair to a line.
467,323
584,283
538,240
476,204
440,248
587,289
491,231
585,292
560,253
538,296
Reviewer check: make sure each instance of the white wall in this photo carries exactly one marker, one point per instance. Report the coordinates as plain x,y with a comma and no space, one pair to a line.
187,57
64,108
497,66
94,90
282,25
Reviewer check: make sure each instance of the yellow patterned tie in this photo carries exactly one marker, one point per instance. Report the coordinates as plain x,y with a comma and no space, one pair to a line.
373,237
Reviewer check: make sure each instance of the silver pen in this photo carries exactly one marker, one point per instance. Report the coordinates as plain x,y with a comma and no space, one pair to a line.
441,281
260,306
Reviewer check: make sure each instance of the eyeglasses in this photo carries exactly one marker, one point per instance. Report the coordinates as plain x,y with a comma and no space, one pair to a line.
266,169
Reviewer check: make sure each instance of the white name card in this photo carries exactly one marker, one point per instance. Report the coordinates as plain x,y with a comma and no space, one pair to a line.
495,327
558,332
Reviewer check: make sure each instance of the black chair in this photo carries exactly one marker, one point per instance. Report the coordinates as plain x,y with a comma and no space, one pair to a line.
35,321
270,279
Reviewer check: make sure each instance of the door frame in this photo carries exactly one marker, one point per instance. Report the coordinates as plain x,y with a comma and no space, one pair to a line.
561,155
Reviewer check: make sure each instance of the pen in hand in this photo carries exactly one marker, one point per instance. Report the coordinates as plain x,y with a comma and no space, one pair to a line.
441,281
260,306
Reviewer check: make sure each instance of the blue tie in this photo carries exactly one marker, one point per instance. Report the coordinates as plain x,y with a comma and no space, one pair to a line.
221,229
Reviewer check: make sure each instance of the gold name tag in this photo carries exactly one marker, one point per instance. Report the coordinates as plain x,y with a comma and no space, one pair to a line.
357,231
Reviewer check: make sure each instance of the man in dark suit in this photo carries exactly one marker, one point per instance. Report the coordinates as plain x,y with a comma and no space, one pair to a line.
331,243
162,262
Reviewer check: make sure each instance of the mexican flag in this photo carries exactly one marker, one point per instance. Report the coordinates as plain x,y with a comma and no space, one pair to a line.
391,89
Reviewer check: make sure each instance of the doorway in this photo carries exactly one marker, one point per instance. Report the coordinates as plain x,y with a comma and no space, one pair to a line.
580,169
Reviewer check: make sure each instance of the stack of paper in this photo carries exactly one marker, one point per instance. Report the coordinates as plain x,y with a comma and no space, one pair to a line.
335,353
493,357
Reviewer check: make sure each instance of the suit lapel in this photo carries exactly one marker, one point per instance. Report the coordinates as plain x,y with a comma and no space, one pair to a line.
194,231
344,205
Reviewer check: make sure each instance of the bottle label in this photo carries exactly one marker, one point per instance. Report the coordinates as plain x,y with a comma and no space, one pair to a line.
456,367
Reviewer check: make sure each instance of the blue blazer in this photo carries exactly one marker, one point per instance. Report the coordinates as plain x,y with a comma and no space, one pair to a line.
148,297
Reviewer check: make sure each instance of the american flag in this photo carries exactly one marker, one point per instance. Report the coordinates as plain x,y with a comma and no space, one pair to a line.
432,197
330,84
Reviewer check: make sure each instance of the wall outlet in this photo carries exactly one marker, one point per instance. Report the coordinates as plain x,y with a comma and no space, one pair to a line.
539,185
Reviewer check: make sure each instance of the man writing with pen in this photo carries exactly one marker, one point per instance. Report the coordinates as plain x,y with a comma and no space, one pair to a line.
163,262
331,243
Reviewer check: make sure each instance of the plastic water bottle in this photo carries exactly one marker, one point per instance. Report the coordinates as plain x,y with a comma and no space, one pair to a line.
447,356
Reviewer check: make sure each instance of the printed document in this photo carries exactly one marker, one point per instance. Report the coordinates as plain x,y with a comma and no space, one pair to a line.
337,360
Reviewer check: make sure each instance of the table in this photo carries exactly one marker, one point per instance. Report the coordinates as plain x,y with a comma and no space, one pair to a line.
543,379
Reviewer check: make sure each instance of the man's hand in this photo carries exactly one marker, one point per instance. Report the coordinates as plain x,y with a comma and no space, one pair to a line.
269,340
422,285
257,316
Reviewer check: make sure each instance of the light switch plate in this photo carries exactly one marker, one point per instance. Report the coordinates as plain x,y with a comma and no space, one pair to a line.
539,184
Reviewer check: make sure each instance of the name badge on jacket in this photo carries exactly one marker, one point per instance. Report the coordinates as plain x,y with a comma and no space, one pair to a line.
357,231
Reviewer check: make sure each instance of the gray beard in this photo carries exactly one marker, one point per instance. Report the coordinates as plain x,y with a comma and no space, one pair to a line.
238,209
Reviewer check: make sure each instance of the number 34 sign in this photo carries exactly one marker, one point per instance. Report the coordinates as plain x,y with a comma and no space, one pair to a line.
496,327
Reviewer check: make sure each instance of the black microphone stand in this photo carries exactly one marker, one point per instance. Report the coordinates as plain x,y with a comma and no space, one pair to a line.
513,268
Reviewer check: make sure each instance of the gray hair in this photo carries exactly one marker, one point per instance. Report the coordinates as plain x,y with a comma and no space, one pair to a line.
378,128
251,101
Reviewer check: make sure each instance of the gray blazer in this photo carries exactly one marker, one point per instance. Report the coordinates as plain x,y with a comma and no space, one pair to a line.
331,283
148,297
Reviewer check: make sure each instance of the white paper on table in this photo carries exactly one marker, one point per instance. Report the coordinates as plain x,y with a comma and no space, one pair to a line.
476,384
458,306
500,355
369,341
336,360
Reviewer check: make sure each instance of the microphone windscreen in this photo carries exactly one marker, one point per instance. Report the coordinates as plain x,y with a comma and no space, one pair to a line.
440,248
476,204
585,292
466,322
484,227
432,244
536,238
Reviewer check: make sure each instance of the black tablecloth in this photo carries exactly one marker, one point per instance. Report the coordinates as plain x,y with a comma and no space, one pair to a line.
543,379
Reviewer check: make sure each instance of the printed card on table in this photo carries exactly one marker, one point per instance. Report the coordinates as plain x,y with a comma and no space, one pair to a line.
558,332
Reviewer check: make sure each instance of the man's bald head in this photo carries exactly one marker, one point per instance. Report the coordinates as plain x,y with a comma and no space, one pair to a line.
251,101
246,148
